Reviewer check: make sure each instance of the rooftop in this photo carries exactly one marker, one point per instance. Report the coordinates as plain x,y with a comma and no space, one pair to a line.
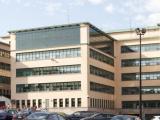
61,26
132,29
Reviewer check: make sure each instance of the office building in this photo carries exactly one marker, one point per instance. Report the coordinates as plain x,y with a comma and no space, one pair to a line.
127,71
5,74
63,68
77,67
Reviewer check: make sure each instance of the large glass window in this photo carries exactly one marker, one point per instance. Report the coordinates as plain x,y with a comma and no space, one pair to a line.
100,40
48,70
48,37
145,76
5,80
4,53
58,86
145,104
101,88
45,55
144,47
101,72
144,62
101,57
145,90
4,66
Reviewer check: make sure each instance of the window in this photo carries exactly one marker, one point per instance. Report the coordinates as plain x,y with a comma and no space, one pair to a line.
48,70
28,103
39,102
101,72
58,86
72,102
79,102
54,102
44,55
145,48
60,102
101,57
145,104
144,62
145,90
101,88
17,104
4,66
48,37
4,53
5,80
145,76
23,103
34,102
66,102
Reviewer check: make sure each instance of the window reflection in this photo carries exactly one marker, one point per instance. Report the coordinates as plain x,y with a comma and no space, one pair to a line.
145,76
48,70
102,73
59,86
45,55
101,88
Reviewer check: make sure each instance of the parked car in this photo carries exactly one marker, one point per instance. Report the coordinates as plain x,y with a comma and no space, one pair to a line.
125,117
156,118
99,116
4,115
80,114
12,112
44,116
23,114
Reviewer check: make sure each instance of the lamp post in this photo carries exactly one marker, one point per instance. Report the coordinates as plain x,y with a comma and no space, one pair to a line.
140,32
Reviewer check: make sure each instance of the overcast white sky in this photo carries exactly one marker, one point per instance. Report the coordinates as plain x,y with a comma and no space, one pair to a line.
105,14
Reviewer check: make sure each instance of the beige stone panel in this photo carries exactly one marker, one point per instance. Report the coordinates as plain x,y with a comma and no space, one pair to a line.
101,65
49,78
85,70
4,86
45,63
130,98
5,60
101,80
117,58
131,35
84,34
5,46
52,95
144,69
5,73
137,42
144,55
136,97
144,83
46,49
13,42
98,95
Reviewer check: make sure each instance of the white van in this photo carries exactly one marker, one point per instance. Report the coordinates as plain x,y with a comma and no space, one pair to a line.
156,118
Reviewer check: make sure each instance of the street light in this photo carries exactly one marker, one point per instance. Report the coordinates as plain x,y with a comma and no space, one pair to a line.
140,32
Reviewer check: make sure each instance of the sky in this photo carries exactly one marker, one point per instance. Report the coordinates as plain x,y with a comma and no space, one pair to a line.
108,15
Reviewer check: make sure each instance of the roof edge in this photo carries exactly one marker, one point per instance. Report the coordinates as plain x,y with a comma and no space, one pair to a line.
48,27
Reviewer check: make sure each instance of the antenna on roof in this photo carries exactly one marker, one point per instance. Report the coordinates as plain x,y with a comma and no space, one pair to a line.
130,23
68,15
